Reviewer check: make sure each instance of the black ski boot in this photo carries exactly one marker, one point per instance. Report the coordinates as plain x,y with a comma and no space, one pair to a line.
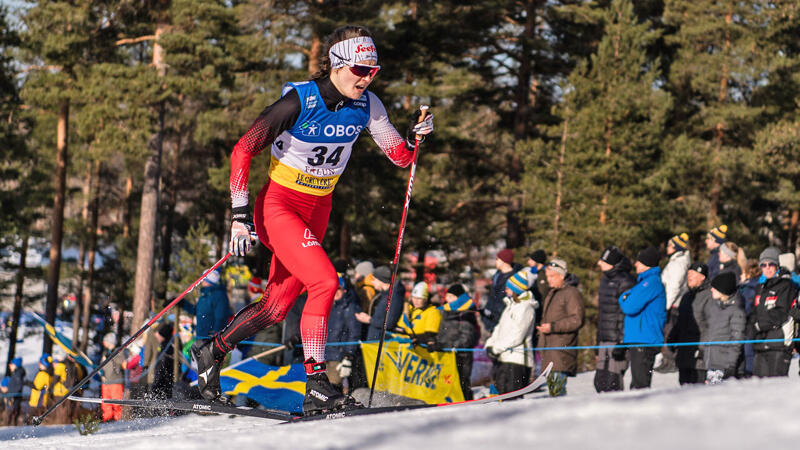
208,368
322,396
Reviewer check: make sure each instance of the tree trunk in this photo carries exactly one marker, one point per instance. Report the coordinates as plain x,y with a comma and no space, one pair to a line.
126,217
315,53
345,239
559,183
86,188
171,196
719,130
12,339
149,209
176,348
88,289
57,219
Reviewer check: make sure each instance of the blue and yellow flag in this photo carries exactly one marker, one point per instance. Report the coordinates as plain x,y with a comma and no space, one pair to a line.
64,343
274,387
414,372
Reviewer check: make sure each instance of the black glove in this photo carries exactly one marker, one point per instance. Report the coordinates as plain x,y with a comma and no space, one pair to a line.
619,353
434,346
293,342
492,354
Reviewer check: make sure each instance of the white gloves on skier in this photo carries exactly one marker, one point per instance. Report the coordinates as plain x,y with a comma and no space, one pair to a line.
242,230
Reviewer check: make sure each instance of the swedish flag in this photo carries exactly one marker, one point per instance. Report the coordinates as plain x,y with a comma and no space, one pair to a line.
64,343
274,387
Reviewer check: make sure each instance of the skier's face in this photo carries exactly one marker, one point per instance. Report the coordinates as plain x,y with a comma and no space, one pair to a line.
349,83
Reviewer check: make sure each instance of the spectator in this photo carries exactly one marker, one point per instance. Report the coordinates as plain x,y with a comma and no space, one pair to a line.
727,323
788,262
61,386
164,378
771,319
747,287
674,279
616,279
421,320
644,306
342,327
562,317
728,255
511,340
382,277
505,265
363,282
715,238
459,329
13,401
255,288
113,379
213,309
687,358
40,387
536,262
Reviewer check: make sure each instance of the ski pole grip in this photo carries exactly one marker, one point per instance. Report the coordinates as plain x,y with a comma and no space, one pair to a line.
423,109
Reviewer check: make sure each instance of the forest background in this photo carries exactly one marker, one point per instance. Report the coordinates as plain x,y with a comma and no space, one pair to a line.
562,125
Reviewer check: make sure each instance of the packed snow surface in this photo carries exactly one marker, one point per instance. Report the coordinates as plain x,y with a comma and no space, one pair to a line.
736,414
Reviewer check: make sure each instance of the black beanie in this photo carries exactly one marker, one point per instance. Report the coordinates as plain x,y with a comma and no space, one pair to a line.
539,256
725,283
340,265
649,257
165,330
611,255
700,268
456,289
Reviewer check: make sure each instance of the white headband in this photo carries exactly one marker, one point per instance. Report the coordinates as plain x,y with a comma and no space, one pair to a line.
351,51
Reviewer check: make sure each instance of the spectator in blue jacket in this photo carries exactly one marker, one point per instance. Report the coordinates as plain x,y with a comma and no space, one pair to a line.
212,310
644,306
342,327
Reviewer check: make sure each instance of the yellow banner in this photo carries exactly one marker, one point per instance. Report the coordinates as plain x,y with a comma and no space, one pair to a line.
414,372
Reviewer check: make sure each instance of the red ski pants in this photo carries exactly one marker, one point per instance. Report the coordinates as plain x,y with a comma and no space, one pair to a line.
292,225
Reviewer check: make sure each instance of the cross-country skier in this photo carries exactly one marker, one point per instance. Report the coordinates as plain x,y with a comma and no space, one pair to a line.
311,128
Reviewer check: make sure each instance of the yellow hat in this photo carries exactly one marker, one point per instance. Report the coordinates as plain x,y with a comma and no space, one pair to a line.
719,233
681,241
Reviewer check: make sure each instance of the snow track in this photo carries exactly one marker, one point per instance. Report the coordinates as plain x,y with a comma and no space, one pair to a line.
744,414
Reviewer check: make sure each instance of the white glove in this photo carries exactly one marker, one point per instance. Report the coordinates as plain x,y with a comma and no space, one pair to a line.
242,228
345,368
425,127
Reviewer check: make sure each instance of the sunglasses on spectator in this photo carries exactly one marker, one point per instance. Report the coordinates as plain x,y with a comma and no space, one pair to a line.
772,264
360,70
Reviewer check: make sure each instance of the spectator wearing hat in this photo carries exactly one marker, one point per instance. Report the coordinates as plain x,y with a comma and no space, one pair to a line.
493,308
729,256
771,319
616,279
688,358
420,320
562,318
343,327
40,386
363,283
673,276
644,306
714,239
213,309
113,377
726,323
13,391
459,329
536,262
511,340
382,277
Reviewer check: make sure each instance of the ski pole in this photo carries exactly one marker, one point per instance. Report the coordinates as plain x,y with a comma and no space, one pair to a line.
398,249
36,420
